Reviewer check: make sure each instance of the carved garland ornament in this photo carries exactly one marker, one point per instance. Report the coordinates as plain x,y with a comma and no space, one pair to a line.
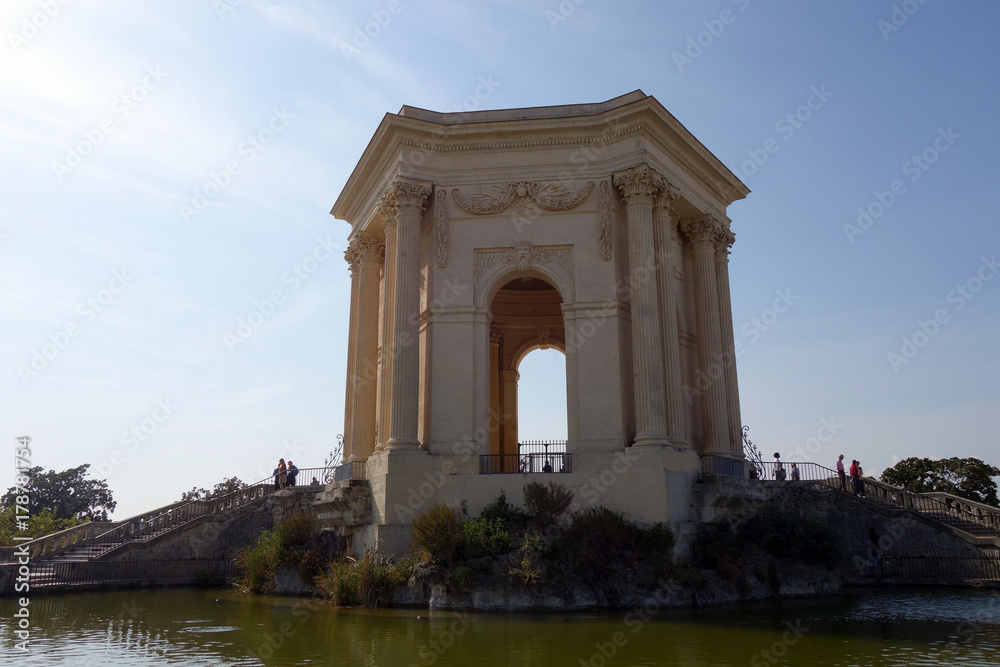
524,254
441,227
495,199
606,246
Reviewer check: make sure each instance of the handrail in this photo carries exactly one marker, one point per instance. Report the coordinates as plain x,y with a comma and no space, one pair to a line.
97,536
894,496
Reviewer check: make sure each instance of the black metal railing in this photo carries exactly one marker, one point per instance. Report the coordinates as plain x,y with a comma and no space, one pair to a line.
929,567
47,574
83,542
541,447
981,521
722,465
511,464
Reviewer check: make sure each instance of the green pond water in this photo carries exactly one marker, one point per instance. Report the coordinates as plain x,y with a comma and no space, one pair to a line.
209,627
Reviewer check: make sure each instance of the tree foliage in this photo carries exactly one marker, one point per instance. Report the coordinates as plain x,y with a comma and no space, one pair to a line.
968,478
38,525
66,494
228,485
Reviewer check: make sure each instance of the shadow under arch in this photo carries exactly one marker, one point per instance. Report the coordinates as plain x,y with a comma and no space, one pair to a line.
526,311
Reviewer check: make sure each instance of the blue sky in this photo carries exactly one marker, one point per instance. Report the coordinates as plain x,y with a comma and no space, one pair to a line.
169,168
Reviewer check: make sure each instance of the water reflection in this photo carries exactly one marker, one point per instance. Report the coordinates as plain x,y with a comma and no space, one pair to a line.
197,627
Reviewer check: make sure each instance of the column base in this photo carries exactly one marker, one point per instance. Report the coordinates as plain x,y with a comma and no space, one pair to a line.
680,441
403,443
650,440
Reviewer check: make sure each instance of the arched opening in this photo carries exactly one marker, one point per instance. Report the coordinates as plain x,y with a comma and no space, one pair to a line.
526,315
541,405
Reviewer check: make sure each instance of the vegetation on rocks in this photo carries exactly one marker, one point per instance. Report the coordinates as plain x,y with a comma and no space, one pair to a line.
544,543
286,543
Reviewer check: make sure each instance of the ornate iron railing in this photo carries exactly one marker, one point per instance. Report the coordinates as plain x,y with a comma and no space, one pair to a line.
983,520
752,455
512,464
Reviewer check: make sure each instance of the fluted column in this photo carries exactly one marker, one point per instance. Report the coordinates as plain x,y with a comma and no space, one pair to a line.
663,229
407,199
350,255
702,233
508,385
735,433
496,336
370,252
637,187
384,392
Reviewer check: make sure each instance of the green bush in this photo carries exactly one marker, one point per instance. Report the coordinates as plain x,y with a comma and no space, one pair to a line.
657,541
436,534
608,525
295,532
787,535
258,563
503,511
369,582
483,537
715,547
544,503
285,543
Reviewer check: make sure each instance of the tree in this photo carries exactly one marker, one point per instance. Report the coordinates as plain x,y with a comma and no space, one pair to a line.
38,525
66,494
227,485
968,478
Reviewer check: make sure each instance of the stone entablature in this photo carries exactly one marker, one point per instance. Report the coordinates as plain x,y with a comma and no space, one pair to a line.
597,229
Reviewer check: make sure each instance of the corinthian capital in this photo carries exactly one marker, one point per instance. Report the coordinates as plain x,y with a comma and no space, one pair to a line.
665,199
368,248
351,257
723,242
702,232
637,185
404,196
496,333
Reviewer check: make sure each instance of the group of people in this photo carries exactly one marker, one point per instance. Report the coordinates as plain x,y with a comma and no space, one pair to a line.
857,476
285,475
779,470
855,471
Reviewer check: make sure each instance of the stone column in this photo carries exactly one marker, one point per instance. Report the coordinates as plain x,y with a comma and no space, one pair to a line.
663,230
508,384
407,199
735,434
637,186
384,393
702,233
496,336
370,252
352,340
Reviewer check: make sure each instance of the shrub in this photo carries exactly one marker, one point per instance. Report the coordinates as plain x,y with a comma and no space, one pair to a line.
787,535
716,548
607,524
369,582
483,537
436,534
657,541
503,511
544,503
286,542
295,532
258,563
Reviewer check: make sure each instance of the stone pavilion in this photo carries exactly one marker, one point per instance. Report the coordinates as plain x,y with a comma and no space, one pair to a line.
599,230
